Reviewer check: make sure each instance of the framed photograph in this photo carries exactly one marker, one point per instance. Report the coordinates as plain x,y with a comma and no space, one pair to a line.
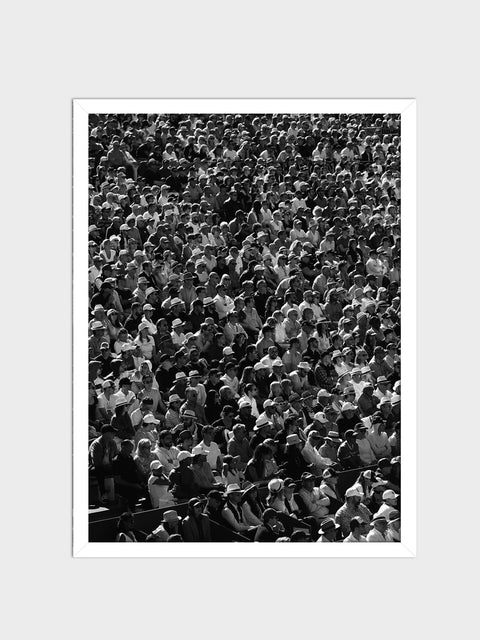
244,320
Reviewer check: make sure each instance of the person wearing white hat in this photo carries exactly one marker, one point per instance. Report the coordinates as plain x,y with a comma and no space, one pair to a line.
312,455
378,529
158,483
223,303
147,318
172,416
300,379
148,427
390,502
356,382
315,501
232,512
393,532
145,341
169,526
378,437
352,508
182,479
177,335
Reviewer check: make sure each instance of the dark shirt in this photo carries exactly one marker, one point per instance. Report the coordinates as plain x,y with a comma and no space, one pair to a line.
126,468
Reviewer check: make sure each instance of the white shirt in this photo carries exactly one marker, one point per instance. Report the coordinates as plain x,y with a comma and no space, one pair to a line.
312,456
168,457
223,306
213,453
351,538
178,339
375,536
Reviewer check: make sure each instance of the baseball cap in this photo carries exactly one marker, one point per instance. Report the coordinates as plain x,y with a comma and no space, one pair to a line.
389,495
352,492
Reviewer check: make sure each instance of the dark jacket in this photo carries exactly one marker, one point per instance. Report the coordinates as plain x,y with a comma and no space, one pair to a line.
194,530
265,534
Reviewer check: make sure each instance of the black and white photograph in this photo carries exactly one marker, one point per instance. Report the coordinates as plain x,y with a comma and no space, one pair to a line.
244,327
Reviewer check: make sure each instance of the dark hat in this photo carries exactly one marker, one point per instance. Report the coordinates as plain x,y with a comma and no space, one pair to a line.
107,428
307,476
328,525
218,495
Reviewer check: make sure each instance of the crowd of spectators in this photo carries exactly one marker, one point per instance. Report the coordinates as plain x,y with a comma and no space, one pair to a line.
244,323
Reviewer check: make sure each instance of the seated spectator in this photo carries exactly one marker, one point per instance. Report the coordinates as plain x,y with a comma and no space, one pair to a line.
230,472
270,529
378,529
214,507
239,446
102,452
355,535
390,501
125,528
252,506
329,487
143,457
158,484
202,472
256,468
182,478
128,481
328,531
393,531
169,526
348,453
378,438
329,448
196,525
352,508
232,511
312,455
211,448
365,451
295,464
315,501
166,452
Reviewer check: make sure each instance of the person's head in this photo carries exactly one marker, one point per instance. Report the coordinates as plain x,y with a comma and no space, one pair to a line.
234,493
353,496
108,433
215,499
184,459
329,529
239,432
356,526
270,518
125,521
170,521
165,439
308,480
126,448
394,521
380,523
144,447
207,434
195,508
330,476
390,498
